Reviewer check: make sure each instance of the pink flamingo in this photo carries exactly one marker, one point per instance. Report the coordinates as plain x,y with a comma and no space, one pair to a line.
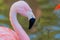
57,13
22,8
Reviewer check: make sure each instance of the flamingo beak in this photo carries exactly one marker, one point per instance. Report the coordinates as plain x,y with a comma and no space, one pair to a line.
31,22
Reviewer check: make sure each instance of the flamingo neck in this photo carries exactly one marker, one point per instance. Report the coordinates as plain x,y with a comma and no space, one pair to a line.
17,27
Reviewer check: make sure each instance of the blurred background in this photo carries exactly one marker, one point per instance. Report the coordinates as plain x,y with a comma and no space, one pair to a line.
46,26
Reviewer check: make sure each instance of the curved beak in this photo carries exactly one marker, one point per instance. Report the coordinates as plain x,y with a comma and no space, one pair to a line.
31,18
31,22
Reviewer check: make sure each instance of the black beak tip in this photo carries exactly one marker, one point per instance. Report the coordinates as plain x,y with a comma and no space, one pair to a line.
31,22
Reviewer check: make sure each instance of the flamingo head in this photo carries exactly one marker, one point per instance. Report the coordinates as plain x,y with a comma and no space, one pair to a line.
24,9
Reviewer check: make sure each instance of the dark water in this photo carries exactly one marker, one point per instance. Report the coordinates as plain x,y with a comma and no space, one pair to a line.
53,29
2,17
36,36
57,36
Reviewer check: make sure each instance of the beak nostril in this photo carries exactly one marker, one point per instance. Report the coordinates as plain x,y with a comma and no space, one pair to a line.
31,22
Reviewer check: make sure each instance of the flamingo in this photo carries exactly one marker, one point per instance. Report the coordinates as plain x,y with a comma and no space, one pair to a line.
57,12
18,33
